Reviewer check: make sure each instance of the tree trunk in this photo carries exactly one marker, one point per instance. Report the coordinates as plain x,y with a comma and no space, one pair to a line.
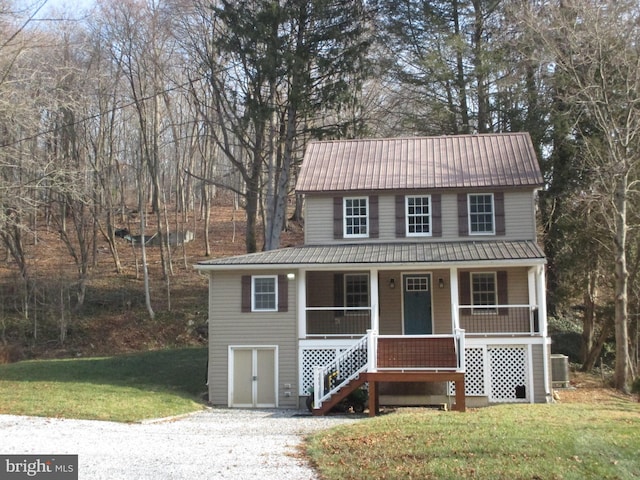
596,348
623,362
588,321
460,75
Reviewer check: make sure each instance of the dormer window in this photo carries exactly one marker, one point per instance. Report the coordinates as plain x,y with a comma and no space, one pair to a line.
356,217
418,219
481,214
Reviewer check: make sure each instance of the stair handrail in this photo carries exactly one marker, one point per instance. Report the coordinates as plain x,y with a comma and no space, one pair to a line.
323,390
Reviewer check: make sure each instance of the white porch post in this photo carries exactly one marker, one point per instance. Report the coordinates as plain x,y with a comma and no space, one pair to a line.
541,287
533,297
455,310
302,303
531,284
541,290
375,300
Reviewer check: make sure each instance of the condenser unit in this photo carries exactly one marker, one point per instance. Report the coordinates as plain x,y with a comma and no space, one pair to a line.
559,371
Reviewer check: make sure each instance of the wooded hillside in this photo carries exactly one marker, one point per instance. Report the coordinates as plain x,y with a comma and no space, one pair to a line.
164,106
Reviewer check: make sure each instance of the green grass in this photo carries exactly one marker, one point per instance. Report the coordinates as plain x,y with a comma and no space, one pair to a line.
572,441
125,388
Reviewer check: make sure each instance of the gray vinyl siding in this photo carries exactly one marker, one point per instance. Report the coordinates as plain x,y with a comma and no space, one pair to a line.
519,219
228,326
441,307
318,220
538,374
390,304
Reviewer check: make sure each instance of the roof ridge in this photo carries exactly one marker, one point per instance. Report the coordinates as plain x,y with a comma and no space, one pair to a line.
418,137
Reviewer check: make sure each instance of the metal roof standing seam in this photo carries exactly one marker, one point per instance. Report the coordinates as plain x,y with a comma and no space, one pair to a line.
464,161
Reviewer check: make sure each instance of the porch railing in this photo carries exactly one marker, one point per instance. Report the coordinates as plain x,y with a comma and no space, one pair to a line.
499,320
338,321
420,352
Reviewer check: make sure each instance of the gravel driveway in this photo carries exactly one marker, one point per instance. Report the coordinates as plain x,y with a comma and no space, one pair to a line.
212,444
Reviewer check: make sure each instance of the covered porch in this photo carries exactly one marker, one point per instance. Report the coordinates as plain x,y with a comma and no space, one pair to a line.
345,304
381,342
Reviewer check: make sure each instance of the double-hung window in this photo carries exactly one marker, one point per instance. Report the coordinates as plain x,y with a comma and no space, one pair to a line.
481,214
356,217
484,292
356,290
418,210
264,293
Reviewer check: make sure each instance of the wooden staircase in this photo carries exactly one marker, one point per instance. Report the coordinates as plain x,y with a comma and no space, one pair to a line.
340,395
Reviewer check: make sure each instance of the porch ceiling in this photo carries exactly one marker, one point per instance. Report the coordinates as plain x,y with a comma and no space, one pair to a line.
385,254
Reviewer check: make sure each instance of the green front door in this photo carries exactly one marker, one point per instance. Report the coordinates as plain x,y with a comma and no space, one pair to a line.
417,304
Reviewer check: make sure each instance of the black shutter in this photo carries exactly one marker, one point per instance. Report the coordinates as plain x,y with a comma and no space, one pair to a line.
246,293
400,217
464,287
463,215
498,202
283,293
338,290
374,223
337,218
436,215
503,295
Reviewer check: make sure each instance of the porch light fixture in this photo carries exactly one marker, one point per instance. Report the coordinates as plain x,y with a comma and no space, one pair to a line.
392,283
441,282
291,276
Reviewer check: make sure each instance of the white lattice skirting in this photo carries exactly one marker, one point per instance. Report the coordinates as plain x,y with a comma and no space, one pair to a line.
498,372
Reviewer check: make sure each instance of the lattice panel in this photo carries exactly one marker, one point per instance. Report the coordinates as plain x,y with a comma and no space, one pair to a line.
315,357
474,374
509,373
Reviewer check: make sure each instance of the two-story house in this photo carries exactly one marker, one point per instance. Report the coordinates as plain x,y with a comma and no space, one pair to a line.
420,275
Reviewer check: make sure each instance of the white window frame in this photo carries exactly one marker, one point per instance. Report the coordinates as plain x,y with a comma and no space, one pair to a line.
493,214
483,310
345,218
254,307
409,215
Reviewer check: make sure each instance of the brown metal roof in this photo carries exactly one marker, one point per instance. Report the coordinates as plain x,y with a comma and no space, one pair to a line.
459,161
384,254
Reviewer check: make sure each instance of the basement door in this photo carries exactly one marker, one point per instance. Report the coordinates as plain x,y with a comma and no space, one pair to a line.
417,304
252,377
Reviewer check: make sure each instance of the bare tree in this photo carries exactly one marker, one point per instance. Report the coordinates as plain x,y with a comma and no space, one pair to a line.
596,46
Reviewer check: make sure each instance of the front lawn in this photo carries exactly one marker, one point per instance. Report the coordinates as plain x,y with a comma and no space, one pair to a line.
557,441
124,388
